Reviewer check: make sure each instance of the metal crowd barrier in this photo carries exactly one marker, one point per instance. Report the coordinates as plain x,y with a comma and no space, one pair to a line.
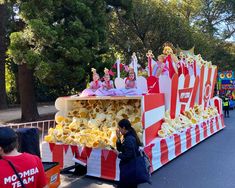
43,126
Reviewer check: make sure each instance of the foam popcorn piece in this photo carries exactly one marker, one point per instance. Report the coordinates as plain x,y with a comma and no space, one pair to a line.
93,123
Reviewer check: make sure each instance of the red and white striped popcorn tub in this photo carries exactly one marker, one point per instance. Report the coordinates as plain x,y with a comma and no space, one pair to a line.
176,95
104,163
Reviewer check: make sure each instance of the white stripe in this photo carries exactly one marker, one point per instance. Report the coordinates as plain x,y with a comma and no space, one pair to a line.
79,161
201,132
163,82
193,135
208,128
204,84
156,154
214,125
94,163
183,141
117,169
171,147
191,85
68,156
213,71
46,152
144,137
220,123
154,115
180,86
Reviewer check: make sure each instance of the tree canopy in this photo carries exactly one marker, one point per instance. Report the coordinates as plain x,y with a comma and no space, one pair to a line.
60,41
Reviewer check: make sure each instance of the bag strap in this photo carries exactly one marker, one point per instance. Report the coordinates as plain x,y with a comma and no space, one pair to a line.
17,174
134,149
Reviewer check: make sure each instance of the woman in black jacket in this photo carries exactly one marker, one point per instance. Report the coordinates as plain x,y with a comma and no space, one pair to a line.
128,148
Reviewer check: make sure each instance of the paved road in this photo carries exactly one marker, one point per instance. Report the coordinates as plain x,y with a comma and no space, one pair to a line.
12,114
210,164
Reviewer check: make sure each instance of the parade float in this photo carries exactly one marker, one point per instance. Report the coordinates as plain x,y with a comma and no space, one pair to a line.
226,83
172,110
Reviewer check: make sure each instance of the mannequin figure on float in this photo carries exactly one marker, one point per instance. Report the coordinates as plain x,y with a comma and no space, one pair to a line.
93,86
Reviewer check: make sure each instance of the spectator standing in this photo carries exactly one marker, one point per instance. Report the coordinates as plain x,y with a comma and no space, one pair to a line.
128,148
226,106
28,167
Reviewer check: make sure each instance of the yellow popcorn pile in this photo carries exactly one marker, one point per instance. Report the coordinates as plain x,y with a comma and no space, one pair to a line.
192,116
93,123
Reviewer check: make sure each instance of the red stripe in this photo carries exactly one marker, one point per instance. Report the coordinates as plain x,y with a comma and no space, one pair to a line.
148,151
80,156
143,120
217,123
194,92
216,102
66,147
74,150
177,144
186,85
204,130
164,151
194,68
197,131
208,82
153,84
86,151
214,82
150,65
174,90
212,126
188,139
108,165
201,84
152,132
58,155
152,101
51,146
222,120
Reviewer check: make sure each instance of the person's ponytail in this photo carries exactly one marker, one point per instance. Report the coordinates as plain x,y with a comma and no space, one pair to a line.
126,123
132,130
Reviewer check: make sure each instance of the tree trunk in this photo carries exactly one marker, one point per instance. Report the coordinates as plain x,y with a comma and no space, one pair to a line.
3,48
27,94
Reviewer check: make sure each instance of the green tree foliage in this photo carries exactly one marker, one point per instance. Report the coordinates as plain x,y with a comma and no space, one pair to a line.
187,9
152,24
217,18
61,41
3,48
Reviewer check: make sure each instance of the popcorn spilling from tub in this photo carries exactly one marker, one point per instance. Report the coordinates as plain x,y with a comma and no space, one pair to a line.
185,120
93,123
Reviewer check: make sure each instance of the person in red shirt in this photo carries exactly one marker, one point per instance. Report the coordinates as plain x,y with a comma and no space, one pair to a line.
29,167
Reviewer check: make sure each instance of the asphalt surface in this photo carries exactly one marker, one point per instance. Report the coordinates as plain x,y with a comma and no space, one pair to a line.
11,114
210,164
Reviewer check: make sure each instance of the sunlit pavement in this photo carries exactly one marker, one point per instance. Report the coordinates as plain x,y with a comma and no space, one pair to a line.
210,164
12,114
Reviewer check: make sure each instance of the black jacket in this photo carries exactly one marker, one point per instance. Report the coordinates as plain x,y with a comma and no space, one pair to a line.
128,148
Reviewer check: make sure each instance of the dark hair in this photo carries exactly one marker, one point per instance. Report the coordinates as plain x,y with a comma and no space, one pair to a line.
10,147
134,74
8,139
127,124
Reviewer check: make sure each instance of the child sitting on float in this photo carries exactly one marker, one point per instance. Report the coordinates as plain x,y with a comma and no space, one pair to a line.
93,86
130,85
107,88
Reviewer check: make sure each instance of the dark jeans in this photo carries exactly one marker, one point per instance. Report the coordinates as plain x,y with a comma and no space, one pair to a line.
226,111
